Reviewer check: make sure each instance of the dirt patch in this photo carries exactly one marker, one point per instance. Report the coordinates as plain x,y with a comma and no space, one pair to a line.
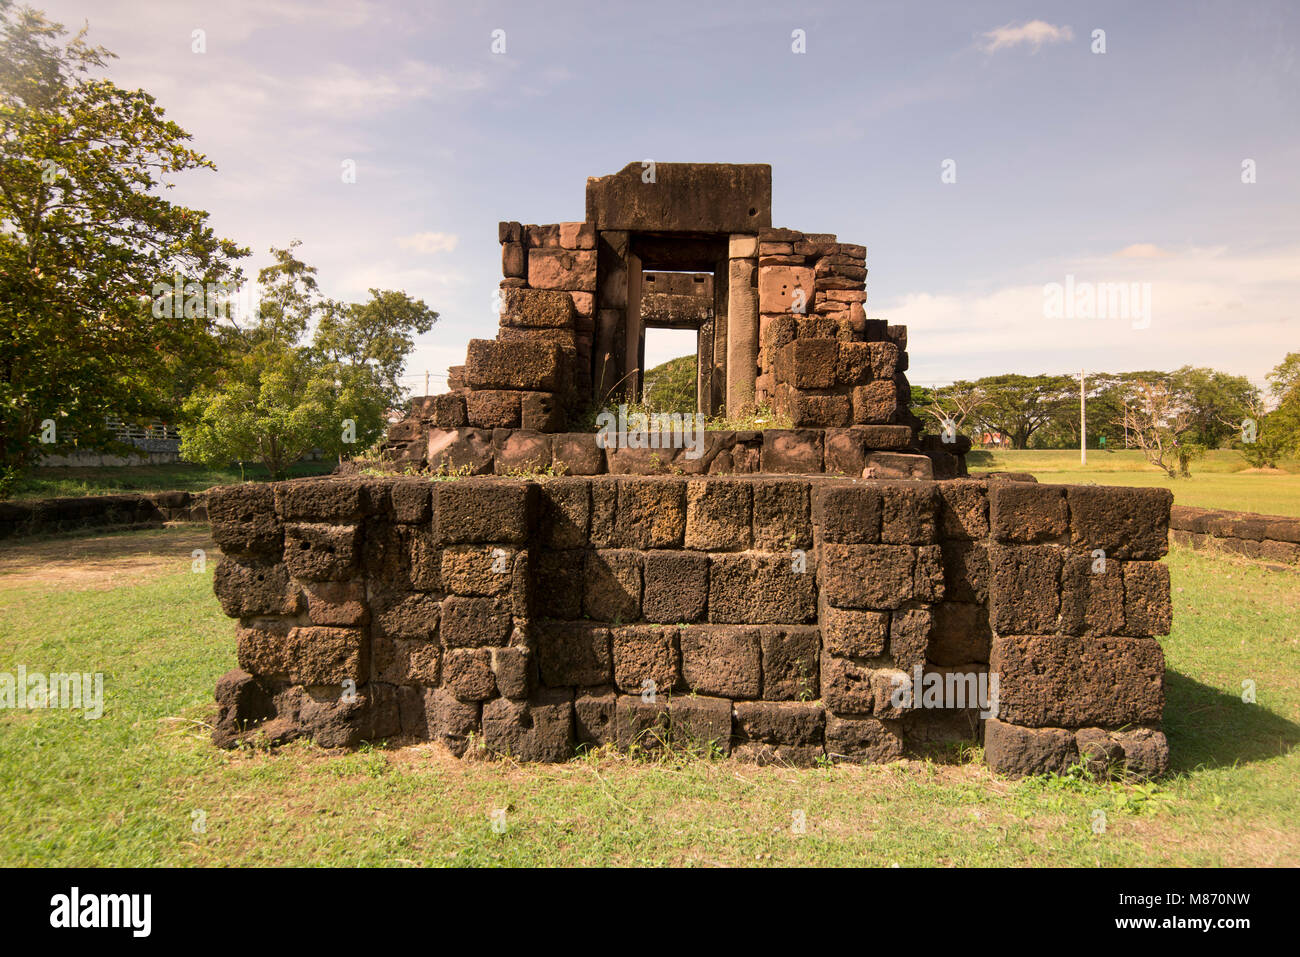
104,560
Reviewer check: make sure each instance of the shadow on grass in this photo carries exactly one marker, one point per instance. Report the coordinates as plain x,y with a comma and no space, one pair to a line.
978,458
1209,727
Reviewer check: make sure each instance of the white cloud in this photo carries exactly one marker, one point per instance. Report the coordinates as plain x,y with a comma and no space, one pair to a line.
1035,34
429,243
1142,251
1209,306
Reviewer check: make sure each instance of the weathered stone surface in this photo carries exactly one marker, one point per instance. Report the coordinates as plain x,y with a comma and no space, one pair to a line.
781,515
848,514
318,552
539,729
909,636
1026,514
577,453
792,451
960,634
558,268
800,723
761,589
336,603
846,685
898,465
493,409
722,661
1024,593
593,717
868,576
718,515
651,513
459,450
807,363
514,364
708,197
676,586
1141,752
475,622
788,288
484,510
645,657
965,510
467,673
244,519
863,740
875,403
1092,596
565,513
966,571
574,653
1128,523
1147,608
477,569
537,308
320,501
790,663
909,513
327,656
1018,751
1066,682
612,585
520,451
851,633
247,588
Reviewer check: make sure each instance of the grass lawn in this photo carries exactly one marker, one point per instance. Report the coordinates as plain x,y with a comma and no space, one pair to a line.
1219,480
127,789
180,477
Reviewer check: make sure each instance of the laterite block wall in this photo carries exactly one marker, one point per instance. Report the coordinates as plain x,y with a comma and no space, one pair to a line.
765,616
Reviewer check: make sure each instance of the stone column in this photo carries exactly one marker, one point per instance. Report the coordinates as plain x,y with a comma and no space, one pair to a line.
704,368
742,322
632,330
611,303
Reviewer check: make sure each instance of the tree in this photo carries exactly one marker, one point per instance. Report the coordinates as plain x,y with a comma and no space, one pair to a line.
278,398
1265,436
1215,402
952,405
1159,424
1019,405
377,334
84,236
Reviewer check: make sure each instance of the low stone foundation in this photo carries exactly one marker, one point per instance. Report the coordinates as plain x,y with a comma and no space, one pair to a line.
773,617
1266,538
51,515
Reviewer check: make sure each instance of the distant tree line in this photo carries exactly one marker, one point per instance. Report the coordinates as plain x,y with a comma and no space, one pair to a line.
1173,417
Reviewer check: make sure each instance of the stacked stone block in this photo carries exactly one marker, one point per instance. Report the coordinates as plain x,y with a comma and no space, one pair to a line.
822,363
768,616
538,368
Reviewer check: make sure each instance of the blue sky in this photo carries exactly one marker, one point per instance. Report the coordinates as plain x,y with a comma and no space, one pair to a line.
1117,167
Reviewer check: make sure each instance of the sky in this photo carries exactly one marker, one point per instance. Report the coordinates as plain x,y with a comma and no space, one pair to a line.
982,152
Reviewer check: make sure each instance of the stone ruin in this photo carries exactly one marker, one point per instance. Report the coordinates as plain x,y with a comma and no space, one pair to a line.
838,590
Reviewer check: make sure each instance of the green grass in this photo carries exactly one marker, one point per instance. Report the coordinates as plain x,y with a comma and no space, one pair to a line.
122,790
180,477
1219,480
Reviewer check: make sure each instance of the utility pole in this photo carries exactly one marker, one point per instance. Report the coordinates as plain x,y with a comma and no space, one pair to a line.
1083,420
426,381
